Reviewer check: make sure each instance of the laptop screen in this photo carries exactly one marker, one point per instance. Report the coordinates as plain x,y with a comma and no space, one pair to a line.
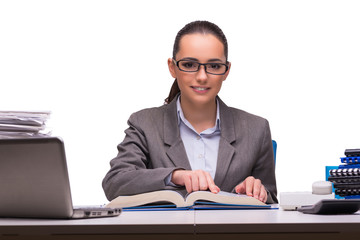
34,179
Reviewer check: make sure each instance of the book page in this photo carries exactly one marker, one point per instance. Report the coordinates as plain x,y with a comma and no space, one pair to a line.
222,198
148,198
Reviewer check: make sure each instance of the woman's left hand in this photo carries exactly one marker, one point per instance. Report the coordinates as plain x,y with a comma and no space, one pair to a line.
252,187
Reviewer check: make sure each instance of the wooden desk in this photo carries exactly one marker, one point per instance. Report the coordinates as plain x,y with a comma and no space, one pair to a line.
216,224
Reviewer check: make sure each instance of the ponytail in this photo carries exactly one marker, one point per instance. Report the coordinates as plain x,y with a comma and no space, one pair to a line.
173,92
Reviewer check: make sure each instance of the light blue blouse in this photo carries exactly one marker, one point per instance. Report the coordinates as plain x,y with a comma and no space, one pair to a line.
201,149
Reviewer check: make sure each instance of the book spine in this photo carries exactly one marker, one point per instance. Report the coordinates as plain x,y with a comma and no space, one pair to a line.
352,152
344,179
344,172
350,160
348,191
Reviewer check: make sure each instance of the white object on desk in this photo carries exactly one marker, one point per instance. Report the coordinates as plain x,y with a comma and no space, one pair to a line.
293,200
322,188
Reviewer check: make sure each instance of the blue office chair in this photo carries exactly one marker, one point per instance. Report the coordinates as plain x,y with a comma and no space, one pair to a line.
274,150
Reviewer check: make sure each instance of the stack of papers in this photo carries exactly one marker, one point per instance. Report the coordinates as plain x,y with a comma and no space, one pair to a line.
19,124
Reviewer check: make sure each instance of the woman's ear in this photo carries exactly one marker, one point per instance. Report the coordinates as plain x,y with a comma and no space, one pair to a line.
227,72
171,66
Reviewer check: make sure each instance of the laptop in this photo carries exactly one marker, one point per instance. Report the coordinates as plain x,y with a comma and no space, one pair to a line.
34,181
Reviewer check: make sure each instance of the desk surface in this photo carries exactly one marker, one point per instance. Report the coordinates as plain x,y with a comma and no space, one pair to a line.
271,221
189,222
127,222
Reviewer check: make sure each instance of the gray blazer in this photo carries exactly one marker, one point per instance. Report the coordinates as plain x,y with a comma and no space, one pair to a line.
152,149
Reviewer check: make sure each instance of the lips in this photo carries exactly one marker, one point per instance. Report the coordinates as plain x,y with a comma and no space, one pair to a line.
200,89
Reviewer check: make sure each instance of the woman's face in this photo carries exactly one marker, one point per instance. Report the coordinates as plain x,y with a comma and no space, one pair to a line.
199,87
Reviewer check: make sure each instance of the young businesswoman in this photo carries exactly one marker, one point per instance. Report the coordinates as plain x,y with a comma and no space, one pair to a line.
195,141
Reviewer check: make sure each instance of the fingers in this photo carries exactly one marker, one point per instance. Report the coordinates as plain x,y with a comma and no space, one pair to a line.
240,188
188,183
263,194
195,180
203,180
246,187
252,187
257,188
211,185
249,185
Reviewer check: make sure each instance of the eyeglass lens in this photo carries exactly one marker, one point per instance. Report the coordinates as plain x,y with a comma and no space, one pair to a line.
191,66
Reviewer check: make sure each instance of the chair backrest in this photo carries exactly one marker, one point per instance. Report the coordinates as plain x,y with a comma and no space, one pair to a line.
274,150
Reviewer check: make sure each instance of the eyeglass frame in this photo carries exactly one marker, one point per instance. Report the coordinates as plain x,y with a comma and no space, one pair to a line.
203,64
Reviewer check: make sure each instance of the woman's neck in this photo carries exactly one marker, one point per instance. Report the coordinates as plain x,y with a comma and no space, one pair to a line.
201,116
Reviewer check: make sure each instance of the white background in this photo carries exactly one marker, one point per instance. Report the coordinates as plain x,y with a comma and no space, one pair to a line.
93,63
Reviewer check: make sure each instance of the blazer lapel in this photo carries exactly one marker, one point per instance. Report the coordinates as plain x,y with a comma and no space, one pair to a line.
226,150
176,151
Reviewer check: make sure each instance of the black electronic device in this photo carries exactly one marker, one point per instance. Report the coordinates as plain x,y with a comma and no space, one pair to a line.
332,206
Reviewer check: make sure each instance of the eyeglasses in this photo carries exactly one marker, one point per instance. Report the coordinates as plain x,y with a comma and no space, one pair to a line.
193,66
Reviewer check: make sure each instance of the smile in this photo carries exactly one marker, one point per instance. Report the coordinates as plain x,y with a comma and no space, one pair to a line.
200,88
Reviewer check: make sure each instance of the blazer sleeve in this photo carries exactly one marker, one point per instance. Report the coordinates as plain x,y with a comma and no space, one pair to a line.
264,168
131,171
259,157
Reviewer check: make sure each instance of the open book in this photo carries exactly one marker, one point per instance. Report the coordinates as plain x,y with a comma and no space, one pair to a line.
194,200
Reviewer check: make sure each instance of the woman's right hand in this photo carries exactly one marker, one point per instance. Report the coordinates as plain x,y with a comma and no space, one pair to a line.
197,180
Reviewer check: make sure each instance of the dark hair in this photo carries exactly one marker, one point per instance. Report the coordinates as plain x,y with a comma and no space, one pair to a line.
203,27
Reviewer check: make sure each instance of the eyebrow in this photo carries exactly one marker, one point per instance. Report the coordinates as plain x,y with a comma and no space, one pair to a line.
197,60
